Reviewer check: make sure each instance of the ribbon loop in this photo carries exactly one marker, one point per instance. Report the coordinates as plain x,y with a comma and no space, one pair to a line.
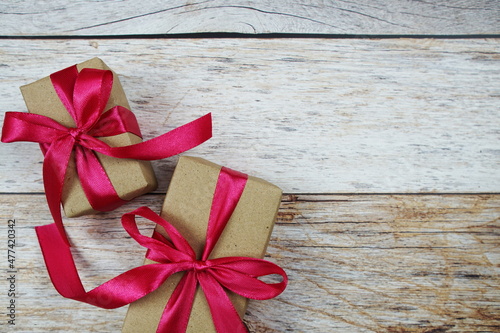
242,278
224,315
90,95
176,250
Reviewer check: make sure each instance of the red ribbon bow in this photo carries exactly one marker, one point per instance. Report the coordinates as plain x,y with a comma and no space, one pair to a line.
85,95
238,274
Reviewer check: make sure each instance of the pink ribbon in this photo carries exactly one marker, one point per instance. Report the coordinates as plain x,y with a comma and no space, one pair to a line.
85,95
238,274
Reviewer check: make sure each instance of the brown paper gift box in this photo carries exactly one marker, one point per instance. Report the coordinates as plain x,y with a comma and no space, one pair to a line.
187,207
130,178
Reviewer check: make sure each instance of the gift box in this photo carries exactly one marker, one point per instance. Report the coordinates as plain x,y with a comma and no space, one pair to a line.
187,207
130,178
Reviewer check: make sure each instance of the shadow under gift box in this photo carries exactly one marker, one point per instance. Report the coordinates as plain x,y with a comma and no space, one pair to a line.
130,178
187,207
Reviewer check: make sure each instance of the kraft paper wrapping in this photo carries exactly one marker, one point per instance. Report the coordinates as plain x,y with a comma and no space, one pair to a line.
130,178
187,208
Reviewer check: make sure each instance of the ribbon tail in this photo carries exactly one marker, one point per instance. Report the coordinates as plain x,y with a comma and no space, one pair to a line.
22,126
119,291
55,165
176,314
224,315
59,261
169,144
95,182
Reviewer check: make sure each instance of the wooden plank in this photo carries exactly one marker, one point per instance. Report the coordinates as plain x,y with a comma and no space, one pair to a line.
357,263
133,17
312,116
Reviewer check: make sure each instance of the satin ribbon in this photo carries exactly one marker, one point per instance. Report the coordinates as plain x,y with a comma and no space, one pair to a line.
85,94
238,274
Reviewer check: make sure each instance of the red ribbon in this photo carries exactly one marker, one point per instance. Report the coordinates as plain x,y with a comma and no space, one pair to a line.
238,274
85,95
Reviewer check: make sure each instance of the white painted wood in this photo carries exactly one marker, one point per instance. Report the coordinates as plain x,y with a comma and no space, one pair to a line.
357,263
312,116
65,17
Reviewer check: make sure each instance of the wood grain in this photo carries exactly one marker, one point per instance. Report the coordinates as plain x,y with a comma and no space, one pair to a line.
136,17
312,116
357,263
342,125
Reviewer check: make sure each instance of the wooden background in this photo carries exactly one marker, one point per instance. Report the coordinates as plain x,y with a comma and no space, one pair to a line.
379,120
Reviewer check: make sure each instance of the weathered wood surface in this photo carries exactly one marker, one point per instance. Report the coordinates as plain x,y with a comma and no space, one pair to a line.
138,17
312,116
325,119
357,263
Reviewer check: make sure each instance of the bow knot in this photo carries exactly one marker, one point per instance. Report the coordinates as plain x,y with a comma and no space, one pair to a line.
200,265
76,133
